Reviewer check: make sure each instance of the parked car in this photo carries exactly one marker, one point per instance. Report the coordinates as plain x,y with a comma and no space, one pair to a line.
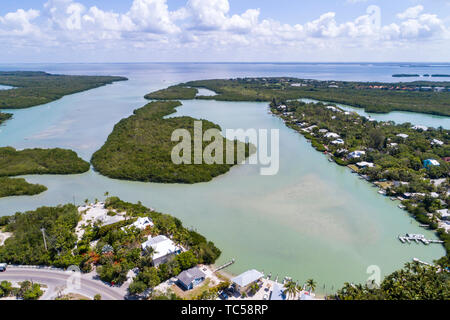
3,267
223,295
266,297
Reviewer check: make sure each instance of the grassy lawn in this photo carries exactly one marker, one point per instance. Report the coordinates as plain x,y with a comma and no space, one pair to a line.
189,295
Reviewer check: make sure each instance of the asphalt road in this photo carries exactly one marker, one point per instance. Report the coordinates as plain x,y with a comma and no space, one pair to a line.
57,280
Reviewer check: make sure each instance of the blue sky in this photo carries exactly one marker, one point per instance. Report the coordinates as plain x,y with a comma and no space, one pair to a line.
224,30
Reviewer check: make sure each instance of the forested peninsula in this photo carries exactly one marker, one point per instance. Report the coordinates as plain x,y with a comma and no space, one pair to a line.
35,161
36,88
140,146
420,96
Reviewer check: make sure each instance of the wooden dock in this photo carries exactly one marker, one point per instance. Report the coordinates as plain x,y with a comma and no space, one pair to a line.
226,265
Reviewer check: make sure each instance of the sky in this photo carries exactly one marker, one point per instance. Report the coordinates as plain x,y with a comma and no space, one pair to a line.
224,30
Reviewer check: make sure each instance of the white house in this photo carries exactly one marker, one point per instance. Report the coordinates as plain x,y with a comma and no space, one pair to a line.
402,135
332,135
444,214
333,109
417,127
364,164
356,154
141,223
163,247
338,141
437,142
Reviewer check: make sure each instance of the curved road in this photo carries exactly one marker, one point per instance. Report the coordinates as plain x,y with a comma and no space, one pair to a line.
56,280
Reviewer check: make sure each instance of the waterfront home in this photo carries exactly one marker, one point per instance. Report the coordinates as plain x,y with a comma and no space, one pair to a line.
444,214
189,279
309,129
278,292
163,248
417,127
323,131
332,135
244,280
356,154
338,141
430,162
402,135
333,109
364,164
141,223
437,142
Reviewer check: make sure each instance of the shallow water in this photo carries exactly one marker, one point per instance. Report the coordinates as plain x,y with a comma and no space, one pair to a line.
312,220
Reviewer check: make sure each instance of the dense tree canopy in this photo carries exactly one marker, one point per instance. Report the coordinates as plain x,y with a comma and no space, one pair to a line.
36,88
140,147
372,96
173,93
414,282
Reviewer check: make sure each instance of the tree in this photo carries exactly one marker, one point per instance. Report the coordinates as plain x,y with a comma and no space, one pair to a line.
311,284
97,297
291,289
186,260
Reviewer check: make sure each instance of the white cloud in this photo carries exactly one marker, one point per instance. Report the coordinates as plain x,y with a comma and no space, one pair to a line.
411,13
208,25
19,23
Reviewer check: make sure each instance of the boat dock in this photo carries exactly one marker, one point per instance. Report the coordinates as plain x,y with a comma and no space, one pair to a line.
418,238
226,265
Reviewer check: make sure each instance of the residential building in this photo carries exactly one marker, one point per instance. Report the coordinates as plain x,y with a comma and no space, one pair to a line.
244,280
163,247
189,279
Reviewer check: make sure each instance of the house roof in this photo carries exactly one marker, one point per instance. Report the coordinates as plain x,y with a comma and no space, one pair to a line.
247,277
162,246
278,292
187,276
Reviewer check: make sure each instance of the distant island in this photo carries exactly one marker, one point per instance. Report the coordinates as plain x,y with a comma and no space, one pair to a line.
139,148
35,161
376,97
406,75
36,88
31,88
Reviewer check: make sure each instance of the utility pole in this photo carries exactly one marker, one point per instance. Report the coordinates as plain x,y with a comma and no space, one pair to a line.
43,235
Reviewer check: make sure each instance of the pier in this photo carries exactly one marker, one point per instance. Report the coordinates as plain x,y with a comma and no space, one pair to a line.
418,238
226,265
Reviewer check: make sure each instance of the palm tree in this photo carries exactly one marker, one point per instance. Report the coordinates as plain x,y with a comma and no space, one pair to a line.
106,194
311,284
290,289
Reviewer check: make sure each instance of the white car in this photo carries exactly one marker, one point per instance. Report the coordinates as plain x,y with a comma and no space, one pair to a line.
266,297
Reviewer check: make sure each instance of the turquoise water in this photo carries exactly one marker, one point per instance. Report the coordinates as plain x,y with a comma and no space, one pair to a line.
312,220
399,116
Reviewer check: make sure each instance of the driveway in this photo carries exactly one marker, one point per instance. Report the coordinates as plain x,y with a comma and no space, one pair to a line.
61,280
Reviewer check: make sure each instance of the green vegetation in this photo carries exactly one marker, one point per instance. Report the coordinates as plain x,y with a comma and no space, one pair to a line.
173,93
4,117
26,291
27,246
414,282
372,96
112,249
140,147
35,161
18,187
40,161
396,162
36,88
